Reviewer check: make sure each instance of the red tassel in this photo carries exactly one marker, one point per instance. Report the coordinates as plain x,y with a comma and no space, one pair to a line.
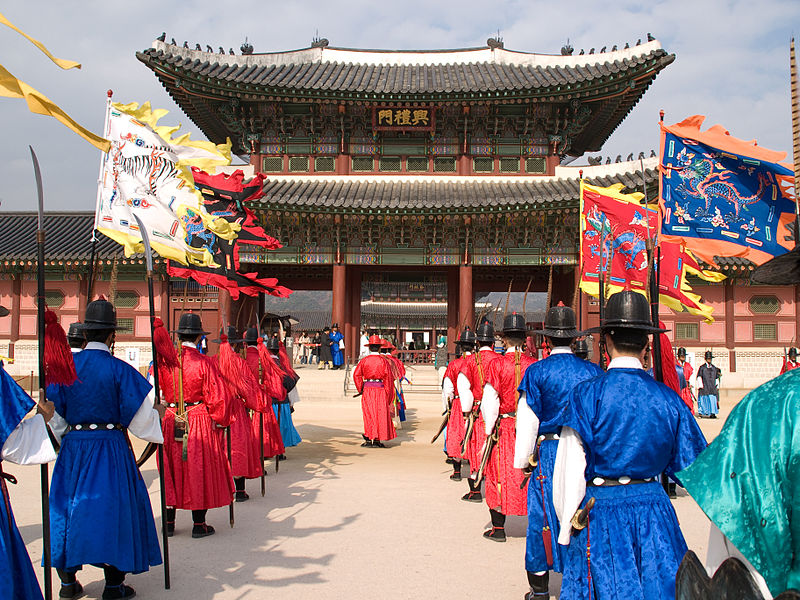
58,364
167,357
285,364
235,371
272,373
668,363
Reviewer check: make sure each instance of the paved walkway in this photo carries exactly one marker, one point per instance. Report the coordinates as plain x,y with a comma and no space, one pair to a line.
342,521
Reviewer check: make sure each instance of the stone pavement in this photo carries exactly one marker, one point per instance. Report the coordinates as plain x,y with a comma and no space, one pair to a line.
342,521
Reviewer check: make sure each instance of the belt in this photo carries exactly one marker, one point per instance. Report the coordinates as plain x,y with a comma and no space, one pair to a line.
611,482
508,415
280,402
373,383
96,427
373,380
547,436
175,404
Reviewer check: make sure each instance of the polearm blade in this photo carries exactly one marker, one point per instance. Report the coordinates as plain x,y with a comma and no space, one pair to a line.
44,470
148,256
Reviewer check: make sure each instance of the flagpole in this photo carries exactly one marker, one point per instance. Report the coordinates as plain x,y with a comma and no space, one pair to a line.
795,140
103,158
44,469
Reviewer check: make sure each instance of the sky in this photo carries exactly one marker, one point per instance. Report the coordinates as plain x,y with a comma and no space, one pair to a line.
732,62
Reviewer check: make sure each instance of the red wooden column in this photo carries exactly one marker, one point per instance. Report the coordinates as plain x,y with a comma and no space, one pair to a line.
16,292
452,308
730,342
466,300
354,292
224,316
339,302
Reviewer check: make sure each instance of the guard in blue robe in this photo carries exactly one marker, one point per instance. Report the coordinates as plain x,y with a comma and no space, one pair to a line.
22,442
336,351
100,511
543,393
616,455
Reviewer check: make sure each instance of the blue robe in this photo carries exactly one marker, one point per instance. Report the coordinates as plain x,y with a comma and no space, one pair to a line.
636,542
547,385
283,413
16,571
99,505
336,352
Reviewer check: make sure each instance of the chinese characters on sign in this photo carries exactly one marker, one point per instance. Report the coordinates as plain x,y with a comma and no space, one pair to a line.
389,118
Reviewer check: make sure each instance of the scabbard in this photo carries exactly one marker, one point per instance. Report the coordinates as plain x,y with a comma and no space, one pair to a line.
468,433
491,441
443,425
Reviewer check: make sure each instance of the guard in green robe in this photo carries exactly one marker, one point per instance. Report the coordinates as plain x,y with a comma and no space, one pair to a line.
748,483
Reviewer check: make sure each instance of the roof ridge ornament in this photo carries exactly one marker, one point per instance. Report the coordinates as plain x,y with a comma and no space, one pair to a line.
567,49
495,42
246,47
318,42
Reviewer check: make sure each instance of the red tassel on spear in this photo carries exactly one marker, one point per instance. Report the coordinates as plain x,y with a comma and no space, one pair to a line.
59,366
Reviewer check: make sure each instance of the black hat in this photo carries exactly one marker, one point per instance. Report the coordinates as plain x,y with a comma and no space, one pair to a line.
560,322
251,335
792,352
627,310
709,354
514,324
3,311
75,332
231,333
190,324
485,333
681,351
273,343
100,314
467,338
581,346
335,326
781,270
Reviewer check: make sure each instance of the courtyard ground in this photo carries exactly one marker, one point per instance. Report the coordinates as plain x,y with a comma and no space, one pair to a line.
341,521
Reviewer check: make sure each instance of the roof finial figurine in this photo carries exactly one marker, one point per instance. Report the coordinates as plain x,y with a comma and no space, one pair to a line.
614,48
591,51
209,49
619,158
630,156
231,52
650,38
221,50
608,160
639,42
246,47
173,42
162,37
567,49
652,153
581,52
198,47
603,49
495,42
627,45
185,44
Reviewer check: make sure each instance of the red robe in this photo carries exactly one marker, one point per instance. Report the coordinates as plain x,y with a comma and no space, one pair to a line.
686,393
456,427
788,365
245,456
502,479
203,480
273,389
476,383
374,380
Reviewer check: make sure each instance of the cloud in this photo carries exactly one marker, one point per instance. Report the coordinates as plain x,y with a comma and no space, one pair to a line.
732,62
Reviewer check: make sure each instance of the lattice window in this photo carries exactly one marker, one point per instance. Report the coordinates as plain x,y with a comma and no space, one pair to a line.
54,298
298,164
764,305
509,165
272,164
765,331
537,164
126,299
325,164
687,331
125,326
417,163
483,164
444,164
363,163
389,164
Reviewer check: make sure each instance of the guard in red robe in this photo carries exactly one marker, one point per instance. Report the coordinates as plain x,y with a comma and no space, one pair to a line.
247,396
456,427
196,470
499,409
470,379
262,367
374,379
790,362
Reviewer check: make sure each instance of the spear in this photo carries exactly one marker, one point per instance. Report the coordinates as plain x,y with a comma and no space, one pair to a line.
148,254
44,469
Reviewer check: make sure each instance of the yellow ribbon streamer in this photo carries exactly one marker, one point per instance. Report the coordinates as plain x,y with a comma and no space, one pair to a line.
64,64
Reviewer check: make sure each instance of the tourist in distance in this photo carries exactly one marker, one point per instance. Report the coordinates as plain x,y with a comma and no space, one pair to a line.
708,379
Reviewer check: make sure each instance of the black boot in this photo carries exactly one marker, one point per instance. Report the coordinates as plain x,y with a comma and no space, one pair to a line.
201,529
540,586
498,532
70,587
456,476
376,443
115,586
367,442
170,517
241,495
672,489
474,493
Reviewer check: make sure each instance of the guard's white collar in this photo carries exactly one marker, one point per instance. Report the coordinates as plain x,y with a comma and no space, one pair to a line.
561,350
189,345
97,346
374,353
625,362
75,350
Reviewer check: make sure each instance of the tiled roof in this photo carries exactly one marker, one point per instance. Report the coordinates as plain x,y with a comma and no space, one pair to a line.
67,236
475,70
424,194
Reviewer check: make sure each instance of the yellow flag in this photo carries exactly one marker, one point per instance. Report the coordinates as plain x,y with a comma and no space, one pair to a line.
38,103
64,64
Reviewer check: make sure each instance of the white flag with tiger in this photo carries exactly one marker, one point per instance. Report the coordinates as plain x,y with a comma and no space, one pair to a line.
148,172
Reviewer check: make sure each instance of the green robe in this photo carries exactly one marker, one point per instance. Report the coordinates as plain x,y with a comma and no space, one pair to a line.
748,480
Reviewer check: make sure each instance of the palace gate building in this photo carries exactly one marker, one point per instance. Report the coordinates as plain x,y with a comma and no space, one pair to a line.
440,174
